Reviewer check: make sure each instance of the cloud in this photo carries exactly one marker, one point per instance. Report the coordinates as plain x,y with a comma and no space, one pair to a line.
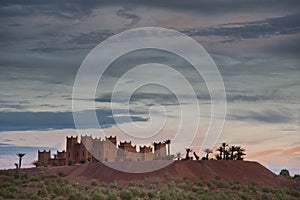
11,121
266,116
65,9
285,25
126,13
90,38
145,97
62,10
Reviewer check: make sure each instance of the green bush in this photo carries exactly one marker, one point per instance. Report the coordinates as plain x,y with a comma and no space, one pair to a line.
20,185
166,175
61,174
151,194
285,173
70,162
112,195
94,183
55,163
126,195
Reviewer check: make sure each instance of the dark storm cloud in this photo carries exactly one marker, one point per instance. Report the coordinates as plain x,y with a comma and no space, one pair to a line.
267,116
63,10
72,9
11,121
285,25
171,99
148,98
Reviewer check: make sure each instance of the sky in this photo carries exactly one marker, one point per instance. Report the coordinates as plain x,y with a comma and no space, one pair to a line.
254,44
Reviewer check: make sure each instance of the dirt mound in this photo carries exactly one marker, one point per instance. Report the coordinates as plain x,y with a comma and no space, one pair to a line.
242,171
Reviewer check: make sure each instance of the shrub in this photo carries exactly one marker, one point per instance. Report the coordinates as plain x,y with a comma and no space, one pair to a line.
113,185
297,176
157,181
166,175
165,196
112,195
94,182
152,194
199,183
285,173
261,197
42,192
55,163
266,189
61,174
25,176
82,161
131,183
103,184
70,162
126,195
37,163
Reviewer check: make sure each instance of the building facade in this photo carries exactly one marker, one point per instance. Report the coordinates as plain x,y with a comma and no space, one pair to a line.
94,149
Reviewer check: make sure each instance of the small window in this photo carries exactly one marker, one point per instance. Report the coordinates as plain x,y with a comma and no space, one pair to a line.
83,153
77,154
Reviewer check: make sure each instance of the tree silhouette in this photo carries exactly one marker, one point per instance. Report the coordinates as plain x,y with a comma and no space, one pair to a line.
220,155
232,150
285,173
20,155
227,152
187,155
196,156
240,153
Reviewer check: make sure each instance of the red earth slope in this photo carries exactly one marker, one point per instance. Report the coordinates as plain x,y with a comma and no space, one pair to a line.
242,171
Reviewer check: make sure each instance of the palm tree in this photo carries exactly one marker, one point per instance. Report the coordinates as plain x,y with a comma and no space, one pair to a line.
232,150
225,152
240,153
20,155
226,155
220,150
207,151
168,142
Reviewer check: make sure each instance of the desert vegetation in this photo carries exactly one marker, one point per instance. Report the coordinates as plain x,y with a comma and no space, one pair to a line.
17,184
230,152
